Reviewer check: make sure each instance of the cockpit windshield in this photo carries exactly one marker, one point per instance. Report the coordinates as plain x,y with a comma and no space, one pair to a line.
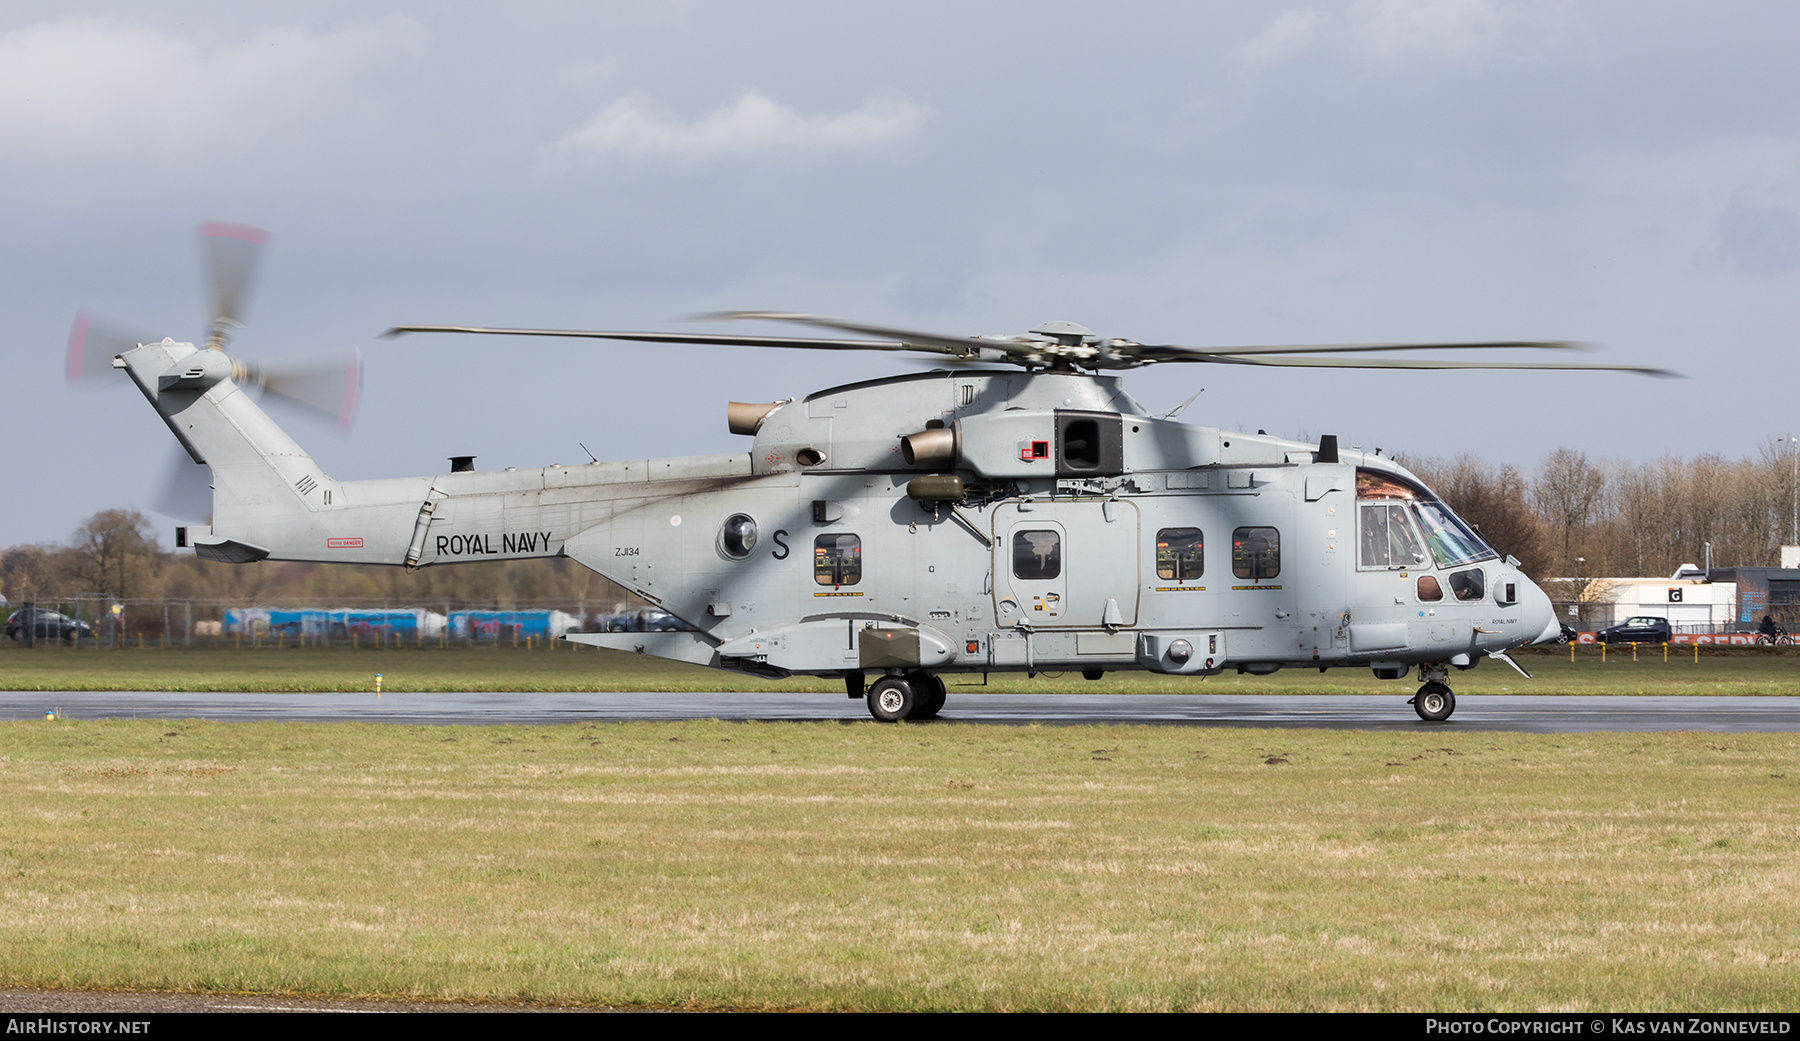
1452,541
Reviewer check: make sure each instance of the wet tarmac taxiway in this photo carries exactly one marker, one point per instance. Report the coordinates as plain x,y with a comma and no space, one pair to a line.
1521,712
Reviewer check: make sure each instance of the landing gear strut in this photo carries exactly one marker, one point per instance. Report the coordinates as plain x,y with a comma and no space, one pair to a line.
1434,702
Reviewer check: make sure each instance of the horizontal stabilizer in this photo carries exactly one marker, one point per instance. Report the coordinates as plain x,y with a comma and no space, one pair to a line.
208,546
679,646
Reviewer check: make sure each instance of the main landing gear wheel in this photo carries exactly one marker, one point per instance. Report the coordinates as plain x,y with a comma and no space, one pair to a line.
892,699
1434,702
931,693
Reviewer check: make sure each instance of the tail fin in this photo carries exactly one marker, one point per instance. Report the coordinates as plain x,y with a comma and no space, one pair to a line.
270,499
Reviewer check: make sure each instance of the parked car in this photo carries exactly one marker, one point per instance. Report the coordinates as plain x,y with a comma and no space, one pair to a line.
1569,634
50,625
1641,629
644,620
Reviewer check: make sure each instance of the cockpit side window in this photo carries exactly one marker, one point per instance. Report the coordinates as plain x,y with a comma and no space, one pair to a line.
1468,585
1388,539
1451,541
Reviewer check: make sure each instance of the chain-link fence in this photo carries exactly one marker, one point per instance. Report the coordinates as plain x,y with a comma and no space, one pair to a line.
89,620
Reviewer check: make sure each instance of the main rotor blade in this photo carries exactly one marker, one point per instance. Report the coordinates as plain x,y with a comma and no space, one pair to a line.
233,252
332,386
1029,351
1418,363
704,339
1125,353
1153,351
91,350
961,346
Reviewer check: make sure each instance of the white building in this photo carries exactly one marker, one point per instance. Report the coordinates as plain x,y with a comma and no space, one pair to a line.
1686,599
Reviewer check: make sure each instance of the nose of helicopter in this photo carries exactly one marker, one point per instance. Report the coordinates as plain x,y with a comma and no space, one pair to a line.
1538,615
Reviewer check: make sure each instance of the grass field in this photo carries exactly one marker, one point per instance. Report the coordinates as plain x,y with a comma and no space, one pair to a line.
906,867
1721,671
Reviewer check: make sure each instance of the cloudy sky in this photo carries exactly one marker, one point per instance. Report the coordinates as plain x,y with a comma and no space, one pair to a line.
1624,173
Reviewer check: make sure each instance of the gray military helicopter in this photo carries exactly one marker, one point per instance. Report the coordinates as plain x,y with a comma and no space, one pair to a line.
1014,510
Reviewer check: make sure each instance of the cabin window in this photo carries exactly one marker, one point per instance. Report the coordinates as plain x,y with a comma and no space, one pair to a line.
1036,554
1387,538
837,560
1429,590
1179,554
1468,585
1256,553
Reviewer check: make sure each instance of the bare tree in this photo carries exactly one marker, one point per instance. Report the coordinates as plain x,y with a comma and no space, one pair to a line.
29,572
1568,493
114,552
1493,499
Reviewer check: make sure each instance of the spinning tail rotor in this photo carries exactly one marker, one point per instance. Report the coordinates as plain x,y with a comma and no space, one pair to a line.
233,253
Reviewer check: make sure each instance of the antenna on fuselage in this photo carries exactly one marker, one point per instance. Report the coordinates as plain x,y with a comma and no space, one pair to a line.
1176,411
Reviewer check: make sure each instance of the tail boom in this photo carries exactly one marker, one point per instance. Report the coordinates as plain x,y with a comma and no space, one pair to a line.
271,501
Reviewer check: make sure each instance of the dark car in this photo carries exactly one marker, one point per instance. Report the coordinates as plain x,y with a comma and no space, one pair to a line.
50,625
1569,634
1642,629
645,620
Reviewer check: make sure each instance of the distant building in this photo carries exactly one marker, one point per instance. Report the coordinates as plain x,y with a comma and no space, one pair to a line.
1773,591
1694,600
1687,600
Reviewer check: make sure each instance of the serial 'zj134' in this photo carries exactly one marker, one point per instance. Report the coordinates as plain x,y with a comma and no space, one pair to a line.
1014,510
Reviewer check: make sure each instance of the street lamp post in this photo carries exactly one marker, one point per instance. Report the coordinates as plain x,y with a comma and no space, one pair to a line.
1580,590
1794,456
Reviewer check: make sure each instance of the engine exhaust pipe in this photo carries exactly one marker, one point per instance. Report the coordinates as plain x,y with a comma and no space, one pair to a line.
934,447
747,419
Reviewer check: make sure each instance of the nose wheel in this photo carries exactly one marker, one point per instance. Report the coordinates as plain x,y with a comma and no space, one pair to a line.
1434,702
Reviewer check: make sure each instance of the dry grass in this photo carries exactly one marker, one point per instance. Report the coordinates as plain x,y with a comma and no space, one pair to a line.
916,866
1733,671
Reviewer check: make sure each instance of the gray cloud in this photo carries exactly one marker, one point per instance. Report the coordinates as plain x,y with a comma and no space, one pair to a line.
1618,172
1759,237
1396,35
634,128
78,88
